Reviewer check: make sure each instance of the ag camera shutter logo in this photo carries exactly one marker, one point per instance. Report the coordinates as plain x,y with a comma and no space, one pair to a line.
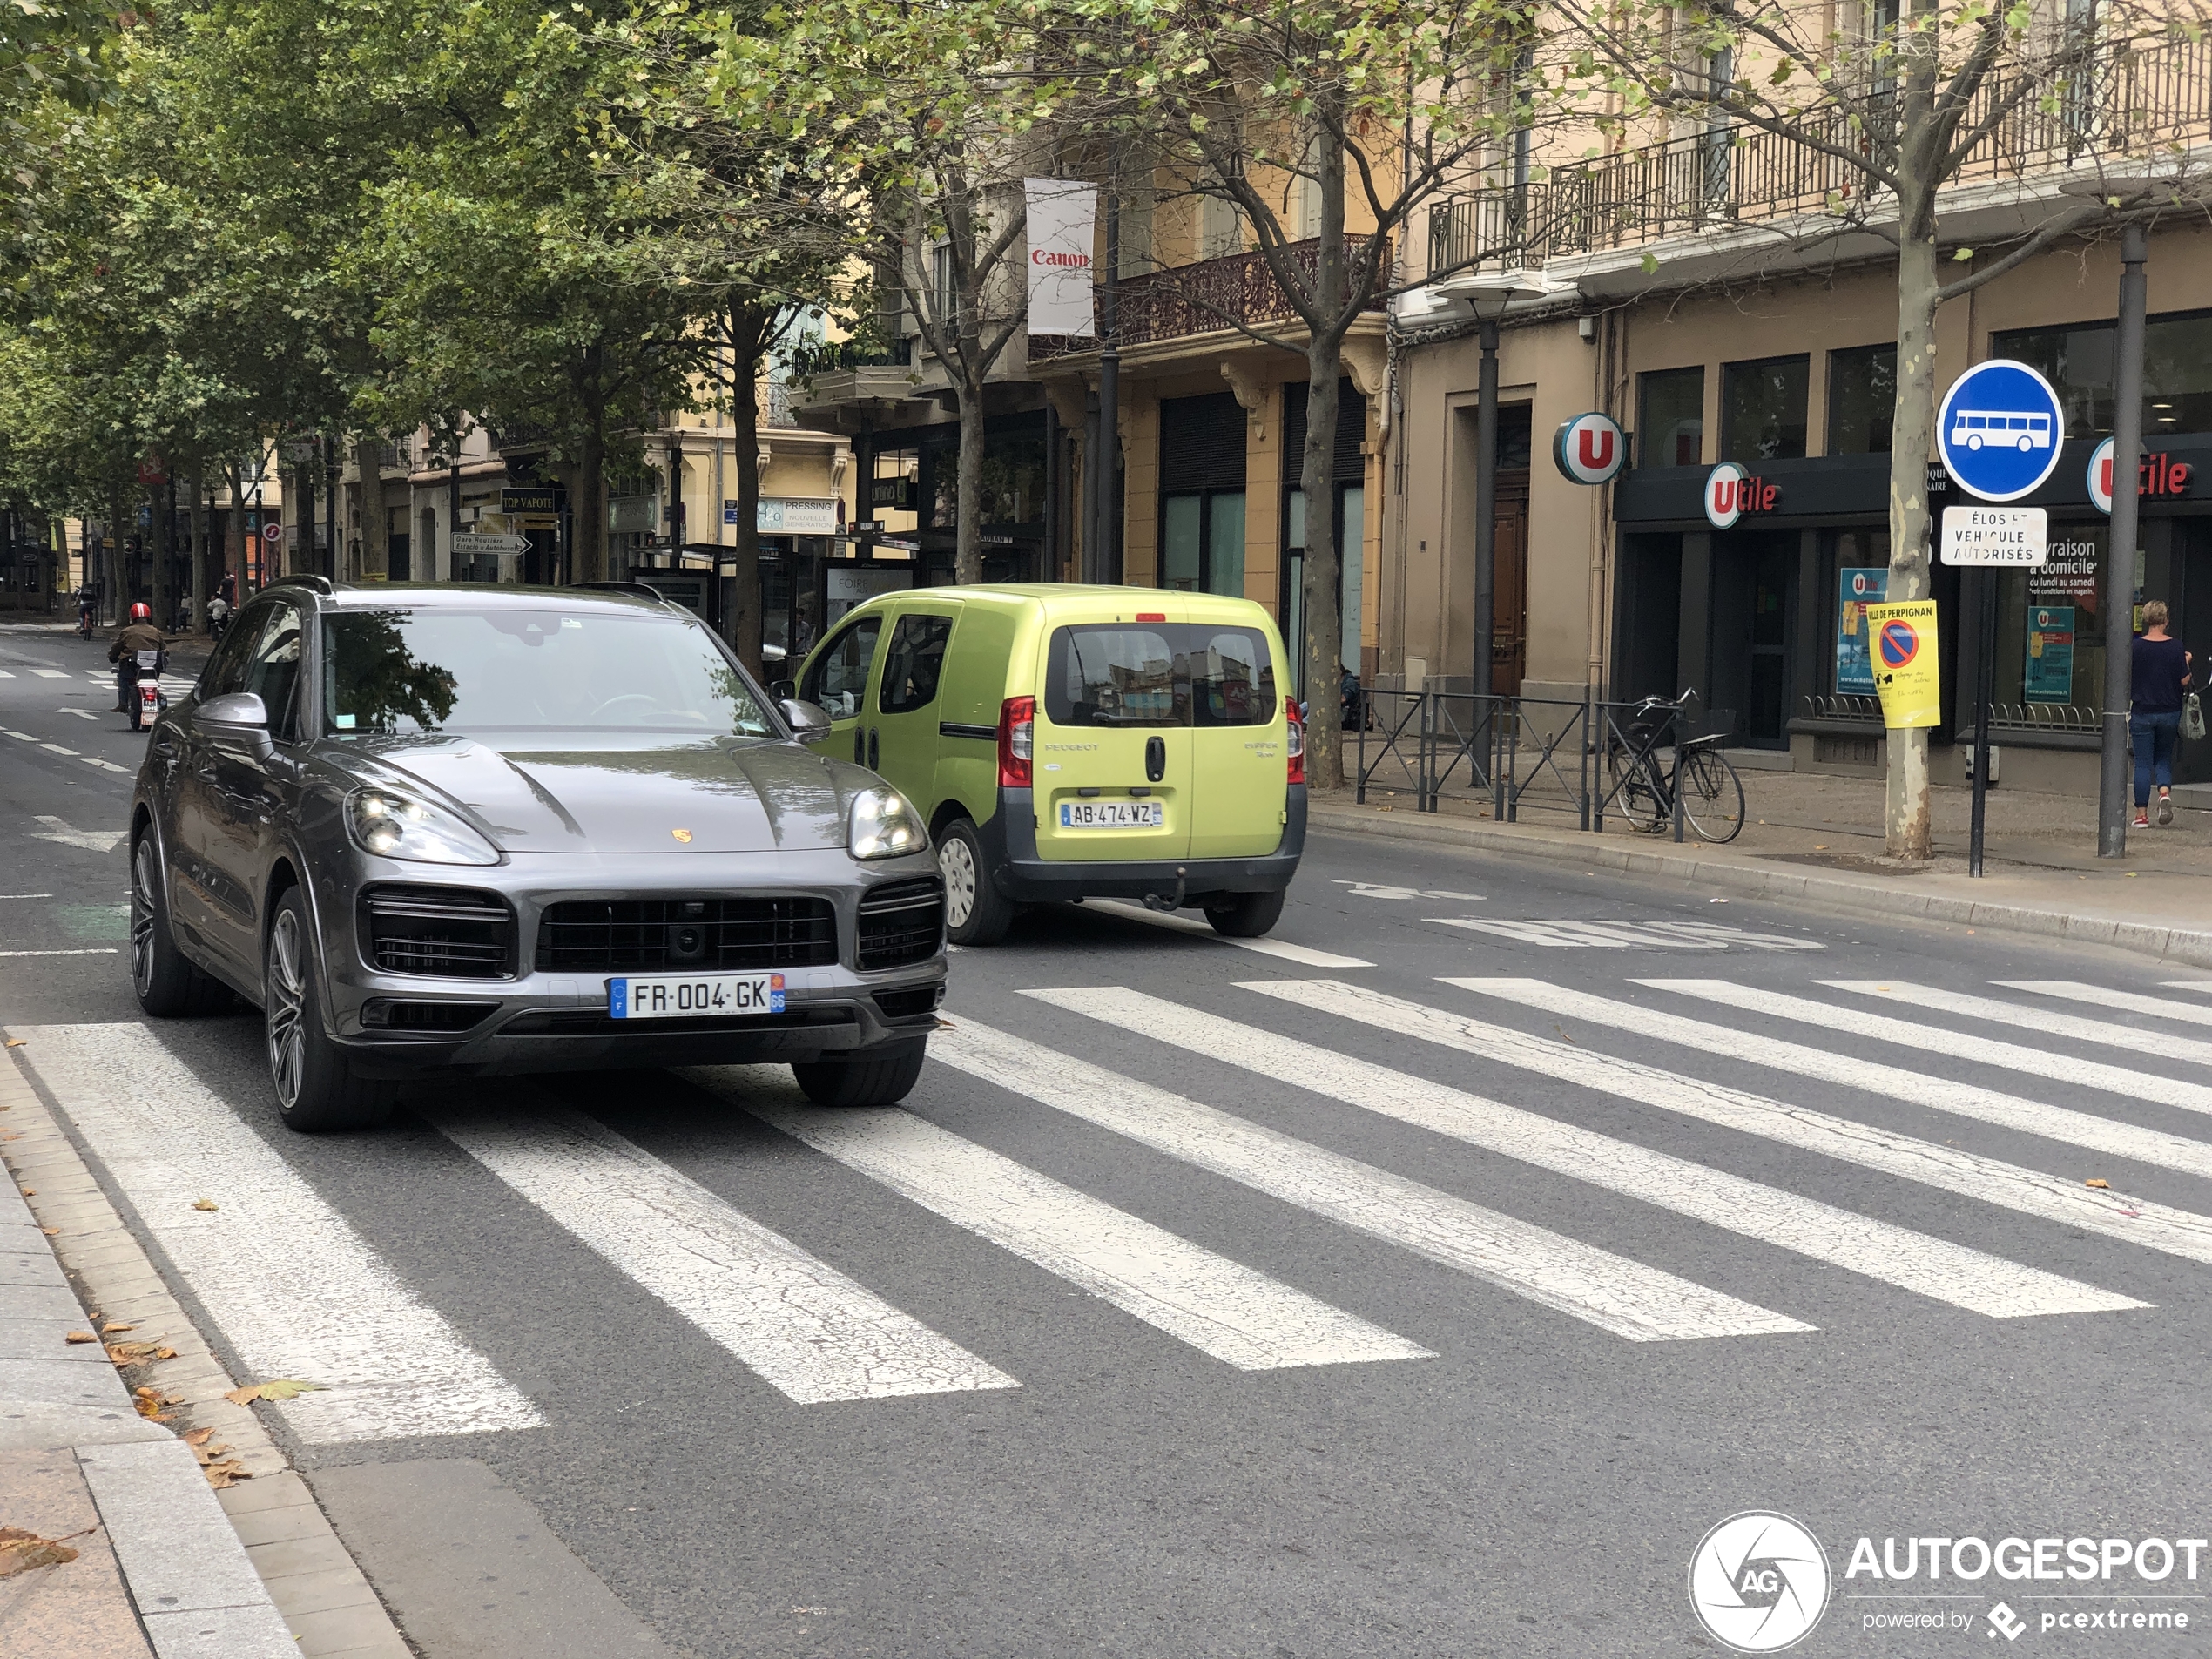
1759,1582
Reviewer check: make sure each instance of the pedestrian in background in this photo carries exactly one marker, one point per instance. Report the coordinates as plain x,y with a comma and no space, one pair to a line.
2160,680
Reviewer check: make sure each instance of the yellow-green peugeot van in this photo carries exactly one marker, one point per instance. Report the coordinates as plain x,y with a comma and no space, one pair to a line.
1076,742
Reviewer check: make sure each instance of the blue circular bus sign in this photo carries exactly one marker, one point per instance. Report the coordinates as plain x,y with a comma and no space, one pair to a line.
1999,430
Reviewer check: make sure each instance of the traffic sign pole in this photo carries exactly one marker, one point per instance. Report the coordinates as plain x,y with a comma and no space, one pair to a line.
2120,551
1984,683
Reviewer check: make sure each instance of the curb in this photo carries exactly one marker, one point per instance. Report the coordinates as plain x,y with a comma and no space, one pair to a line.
252,1570
1738,873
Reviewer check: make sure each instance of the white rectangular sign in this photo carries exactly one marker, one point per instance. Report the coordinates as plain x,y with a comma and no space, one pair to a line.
470,544
796,515
2009,535
1062,220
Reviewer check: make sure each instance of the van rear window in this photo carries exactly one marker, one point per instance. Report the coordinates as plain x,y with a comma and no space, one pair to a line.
1159,674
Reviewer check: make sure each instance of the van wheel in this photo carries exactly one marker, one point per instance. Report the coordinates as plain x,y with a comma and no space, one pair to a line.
860,1082
1245,915
976,912
315,1086
167,985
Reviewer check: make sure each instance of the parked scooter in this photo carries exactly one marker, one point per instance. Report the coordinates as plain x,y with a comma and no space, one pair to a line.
147,700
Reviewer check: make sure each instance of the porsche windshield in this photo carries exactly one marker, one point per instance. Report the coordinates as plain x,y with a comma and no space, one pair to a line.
441,670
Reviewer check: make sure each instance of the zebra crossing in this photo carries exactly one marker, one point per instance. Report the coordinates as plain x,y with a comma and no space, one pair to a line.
1479,1063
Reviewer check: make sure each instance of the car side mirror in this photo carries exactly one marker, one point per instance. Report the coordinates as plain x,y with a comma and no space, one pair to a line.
808,720
237,711
782,690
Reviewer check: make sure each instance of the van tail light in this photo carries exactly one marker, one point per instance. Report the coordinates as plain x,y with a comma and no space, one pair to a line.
1017,741
1296,743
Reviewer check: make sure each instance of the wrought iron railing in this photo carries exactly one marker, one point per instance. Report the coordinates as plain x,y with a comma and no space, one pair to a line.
2127,103
1860,708
806,361
2045,717
1237,290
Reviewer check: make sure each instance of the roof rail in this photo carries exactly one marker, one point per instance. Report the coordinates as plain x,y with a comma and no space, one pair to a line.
318,583
646,589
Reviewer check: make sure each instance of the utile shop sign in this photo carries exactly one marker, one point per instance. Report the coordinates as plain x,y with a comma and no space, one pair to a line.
2156,475
1730,492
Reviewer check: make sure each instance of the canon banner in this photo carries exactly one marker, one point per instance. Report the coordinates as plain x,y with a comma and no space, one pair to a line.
1063,217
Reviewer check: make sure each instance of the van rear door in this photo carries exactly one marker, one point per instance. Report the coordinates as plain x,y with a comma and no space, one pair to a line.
1112,773
1240,760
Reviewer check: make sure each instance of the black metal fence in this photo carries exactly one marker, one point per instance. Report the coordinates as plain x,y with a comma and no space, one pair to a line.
1520,754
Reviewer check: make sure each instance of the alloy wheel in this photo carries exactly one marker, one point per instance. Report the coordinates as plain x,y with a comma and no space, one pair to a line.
145,887
959,866
286,993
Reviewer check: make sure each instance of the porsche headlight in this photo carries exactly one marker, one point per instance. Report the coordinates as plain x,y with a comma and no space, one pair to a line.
884,825
393,825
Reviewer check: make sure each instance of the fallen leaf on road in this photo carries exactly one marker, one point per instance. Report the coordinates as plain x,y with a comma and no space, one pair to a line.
287,1388
30,1193
137,1353
199,1437
16,1042
79,1336
222,1476
51,1233
115,1327
152,1402
2094,1181
20,1551
205,1203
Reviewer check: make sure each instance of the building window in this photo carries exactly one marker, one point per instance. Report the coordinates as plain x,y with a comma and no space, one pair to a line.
1763,409
1672,420
1202,542
1862,399
2078,362
2050,631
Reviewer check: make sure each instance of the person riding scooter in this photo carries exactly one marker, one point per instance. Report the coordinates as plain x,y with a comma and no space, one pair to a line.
137,634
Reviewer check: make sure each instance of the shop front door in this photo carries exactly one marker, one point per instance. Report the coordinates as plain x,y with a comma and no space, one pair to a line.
1754,581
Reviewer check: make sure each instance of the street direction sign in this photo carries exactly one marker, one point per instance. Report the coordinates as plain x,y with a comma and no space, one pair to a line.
2003,535
469,545
1590,449
273,533
2000,429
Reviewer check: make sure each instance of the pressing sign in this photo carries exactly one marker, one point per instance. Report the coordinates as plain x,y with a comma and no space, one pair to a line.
2017,535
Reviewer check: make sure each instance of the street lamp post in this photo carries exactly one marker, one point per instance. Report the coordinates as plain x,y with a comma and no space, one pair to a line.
2119,597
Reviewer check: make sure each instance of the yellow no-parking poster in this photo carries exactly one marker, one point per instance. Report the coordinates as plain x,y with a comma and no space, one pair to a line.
1902,643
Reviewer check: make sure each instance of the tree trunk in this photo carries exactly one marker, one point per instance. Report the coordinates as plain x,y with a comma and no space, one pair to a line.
591,504
967,525
373,547
1322,577
749,325
196,480
238,537
158,497
117,601
1906,823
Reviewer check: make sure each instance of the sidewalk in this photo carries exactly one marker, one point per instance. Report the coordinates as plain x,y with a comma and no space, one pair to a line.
115,1541
1815,838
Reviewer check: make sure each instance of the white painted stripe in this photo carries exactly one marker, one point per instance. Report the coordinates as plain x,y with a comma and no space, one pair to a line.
2049,1021
1303,954
296,1291
6,674
103,950
797,1323
1611,1292
2106,1134
105,765
2202,986
2163,1008
2050,1064
2031,1192
56,748
1928,1267
1222,1308
20,737
49,673
26,895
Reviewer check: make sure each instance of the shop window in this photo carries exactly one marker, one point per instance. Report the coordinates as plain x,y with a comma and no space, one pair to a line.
2050,662
1862,399
1859,561
2078,360
1351,508
1763,409
1672,421
1202,542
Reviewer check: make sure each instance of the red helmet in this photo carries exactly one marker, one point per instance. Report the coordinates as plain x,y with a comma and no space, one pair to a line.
142,612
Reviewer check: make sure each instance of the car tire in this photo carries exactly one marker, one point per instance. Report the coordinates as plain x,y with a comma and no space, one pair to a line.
976,912
316,1088
1245,915
167,985
860,1082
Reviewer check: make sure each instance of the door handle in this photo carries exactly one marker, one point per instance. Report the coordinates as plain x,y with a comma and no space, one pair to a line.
875,749
859,747
1155,758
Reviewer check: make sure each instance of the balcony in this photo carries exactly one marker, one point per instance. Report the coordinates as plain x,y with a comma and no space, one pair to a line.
2134,102
1201,299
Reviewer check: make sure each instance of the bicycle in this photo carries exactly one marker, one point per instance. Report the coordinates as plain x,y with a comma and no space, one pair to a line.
1712,797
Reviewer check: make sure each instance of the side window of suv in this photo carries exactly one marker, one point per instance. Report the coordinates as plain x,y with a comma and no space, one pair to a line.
914,663
226,670
272,674
838,679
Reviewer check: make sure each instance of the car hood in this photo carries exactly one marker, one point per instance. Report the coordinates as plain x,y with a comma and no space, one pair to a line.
629,792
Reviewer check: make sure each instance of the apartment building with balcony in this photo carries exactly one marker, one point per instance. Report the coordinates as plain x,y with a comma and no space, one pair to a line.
1674,287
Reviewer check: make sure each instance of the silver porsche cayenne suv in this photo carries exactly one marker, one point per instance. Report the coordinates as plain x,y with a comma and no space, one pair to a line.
470,830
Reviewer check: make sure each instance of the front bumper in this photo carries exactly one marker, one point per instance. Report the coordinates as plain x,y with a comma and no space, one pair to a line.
1010,844
534,1020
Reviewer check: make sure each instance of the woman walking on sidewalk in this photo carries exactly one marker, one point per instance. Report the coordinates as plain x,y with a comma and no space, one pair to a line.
2161,676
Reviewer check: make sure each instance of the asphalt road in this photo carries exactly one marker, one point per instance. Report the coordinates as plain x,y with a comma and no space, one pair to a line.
1297,1303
